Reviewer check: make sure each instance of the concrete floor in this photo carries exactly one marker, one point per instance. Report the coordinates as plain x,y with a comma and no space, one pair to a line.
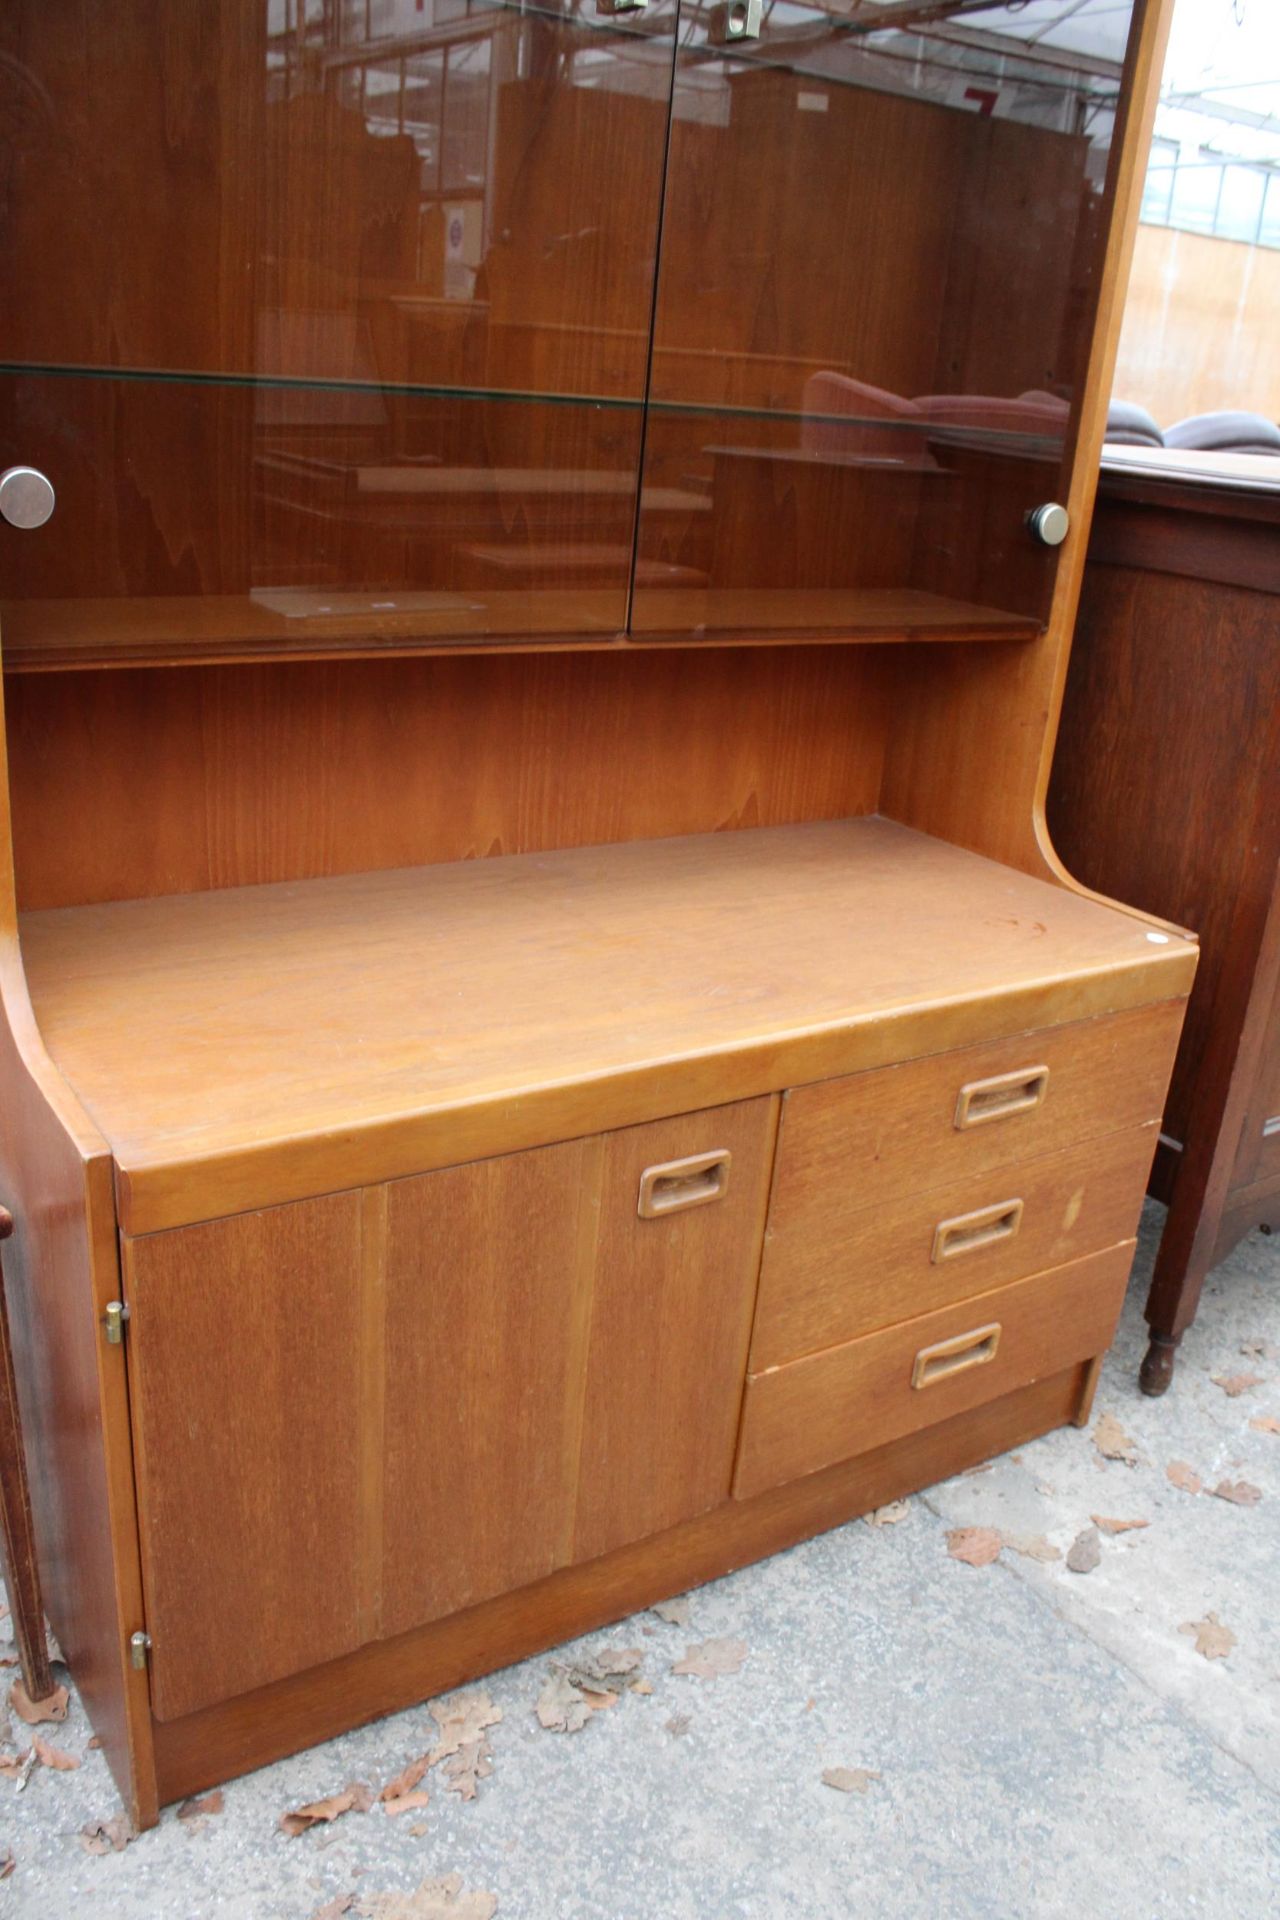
1047,1742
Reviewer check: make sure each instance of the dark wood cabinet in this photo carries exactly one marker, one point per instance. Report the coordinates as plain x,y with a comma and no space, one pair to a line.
1166,792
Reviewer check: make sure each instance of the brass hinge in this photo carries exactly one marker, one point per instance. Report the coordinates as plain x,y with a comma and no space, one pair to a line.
114,1318
139,1649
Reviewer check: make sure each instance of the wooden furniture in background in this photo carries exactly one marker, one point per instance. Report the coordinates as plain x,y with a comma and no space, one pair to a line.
1166,792
489,1029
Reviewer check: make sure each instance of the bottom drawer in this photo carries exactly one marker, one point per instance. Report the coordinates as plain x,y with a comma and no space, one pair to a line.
845,1400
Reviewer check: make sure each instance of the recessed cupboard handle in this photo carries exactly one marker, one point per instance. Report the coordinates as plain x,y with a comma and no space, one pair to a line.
1001,1096
949,1357
983,1228
678,1184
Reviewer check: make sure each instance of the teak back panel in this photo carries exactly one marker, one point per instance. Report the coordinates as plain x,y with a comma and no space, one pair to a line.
160,781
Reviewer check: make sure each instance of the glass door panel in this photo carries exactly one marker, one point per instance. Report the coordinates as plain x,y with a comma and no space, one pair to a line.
882,239
327,320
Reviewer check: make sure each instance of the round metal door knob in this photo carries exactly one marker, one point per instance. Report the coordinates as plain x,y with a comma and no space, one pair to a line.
1050,523
26,497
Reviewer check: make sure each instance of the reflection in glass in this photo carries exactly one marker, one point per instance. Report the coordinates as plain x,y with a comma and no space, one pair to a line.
882,242
328,314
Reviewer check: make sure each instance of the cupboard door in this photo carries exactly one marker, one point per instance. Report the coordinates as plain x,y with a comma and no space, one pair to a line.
328,323
488,1278
244,1388
671,1320
880,264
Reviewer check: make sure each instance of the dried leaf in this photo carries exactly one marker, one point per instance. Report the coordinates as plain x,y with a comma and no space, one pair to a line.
1032,1546
17,1765
96,1742
1085,1552
317,1813
976,1546
1117,1526
678,1724
198,1806
1184,1476
849,1779
434,1900
1234,1384
465,1769
712,1659
641,1686
464,1743
462,1722
26,1767
407,1803
1265,1423
562,1707
1241,1493
107,1836
405,1782
591,1685
675,1612
1112,1442
54,1757
971,1473
888,1516
600,1672
35,1712
334,1909
7,1864
1213,1640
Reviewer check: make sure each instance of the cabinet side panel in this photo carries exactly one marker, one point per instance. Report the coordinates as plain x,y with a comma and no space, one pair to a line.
488,1293
245,1385
670,1325
59,1270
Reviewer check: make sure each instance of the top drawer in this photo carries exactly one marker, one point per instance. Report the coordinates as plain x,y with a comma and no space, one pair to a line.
878,1136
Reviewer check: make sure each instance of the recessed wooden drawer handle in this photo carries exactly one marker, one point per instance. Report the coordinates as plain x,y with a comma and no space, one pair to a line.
949,1357
683,1183
969,1231
1001,1096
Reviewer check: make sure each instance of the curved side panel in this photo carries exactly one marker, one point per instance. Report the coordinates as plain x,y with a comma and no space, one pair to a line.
61,1267
969,758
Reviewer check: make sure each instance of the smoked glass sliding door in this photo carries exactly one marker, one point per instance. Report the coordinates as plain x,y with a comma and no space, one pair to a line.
882,240
327,321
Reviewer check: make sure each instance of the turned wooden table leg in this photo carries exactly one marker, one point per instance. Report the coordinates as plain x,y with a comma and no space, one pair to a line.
15,1515
1155,1376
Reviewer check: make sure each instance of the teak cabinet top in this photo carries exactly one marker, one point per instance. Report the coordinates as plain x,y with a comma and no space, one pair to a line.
252,1045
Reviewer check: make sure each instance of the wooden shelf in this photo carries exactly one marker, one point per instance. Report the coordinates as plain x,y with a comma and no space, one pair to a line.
56,635
254,1045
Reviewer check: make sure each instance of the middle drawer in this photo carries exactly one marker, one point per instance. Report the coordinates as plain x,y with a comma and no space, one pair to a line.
910,1255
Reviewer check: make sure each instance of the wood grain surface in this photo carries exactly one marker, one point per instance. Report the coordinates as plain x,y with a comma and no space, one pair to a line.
249,1482
255,1045
130,784
832,1405
670,1323
859,1268
205,1748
